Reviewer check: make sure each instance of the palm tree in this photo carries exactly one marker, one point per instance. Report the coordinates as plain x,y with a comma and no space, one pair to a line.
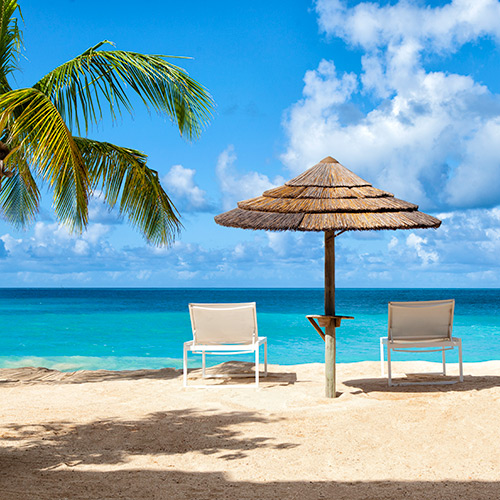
37,144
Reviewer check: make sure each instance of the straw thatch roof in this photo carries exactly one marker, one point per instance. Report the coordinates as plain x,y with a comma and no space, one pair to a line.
327,197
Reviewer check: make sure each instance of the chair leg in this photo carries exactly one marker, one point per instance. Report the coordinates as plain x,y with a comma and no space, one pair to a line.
257,367
265,358
444,362
389,370
460,365
203,364
184,368
381,357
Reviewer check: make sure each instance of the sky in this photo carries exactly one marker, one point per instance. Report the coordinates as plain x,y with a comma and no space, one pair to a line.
404,93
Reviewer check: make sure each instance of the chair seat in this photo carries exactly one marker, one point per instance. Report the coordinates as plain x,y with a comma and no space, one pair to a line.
193,347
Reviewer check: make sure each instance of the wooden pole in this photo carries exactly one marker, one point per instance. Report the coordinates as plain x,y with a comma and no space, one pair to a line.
330,391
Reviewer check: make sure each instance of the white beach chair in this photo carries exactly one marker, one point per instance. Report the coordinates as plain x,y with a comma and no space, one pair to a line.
225,329
424,326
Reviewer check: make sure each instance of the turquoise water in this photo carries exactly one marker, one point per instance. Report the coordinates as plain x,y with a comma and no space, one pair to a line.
70,329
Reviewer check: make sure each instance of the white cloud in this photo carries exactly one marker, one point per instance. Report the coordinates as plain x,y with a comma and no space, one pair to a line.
144,274
95,232
477,179
236,186
393,243
429,136
440,28
179,183
54,234
419,245
51,248
278,242
187,275
294,245
53,239
325,89
81,247
115,275
100,212
239,251
10,243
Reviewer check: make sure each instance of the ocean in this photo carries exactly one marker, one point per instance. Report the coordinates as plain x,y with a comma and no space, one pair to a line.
117,329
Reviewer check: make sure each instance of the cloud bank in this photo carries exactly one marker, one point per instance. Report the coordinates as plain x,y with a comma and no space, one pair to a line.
463,252
428,136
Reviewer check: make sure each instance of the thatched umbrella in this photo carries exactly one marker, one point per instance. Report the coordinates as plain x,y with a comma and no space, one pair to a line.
328,197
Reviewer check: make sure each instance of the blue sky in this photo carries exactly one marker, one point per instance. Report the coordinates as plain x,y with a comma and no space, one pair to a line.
406,94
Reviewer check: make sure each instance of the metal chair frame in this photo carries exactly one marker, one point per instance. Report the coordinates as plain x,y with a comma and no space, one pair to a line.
408,344
224,348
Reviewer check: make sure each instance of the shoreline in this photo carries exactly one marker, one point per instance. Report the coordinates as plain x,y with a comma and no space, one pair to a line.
319,287
139,435
70,364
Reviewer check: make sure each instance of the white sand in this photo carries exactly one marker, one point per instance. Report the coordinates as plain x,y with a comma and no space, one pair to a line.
139,435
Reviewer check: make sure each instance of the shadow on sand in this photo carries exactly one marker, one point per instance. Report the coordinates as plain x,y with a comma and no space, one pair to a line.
52,461
470,383
32,375
245,375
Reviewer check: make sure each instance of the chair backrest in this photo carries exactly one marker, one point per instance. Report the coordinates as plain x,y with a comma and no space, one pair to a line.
424,320
224,323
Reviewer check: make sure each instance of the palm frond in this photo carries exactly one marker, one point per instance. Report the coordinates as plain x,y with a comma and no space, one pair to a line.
35,125
84,84
19,196
10,41
123,176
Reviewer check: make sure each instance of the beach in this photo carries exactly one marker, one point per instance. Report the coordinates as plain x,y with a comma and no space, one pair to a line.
140,435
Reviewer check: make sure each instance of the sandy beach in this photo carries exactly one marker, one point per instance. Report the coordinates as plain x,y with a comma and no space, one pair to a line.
140,435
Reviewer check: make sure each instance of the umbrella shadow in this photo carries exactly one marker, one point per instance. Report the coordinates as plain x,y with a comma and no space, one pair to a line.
470,383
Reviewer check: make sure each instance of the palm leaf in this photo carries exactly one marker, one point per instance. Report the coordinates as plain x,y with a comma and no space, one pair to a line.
19,196
44,141
10,41
123,176
80,86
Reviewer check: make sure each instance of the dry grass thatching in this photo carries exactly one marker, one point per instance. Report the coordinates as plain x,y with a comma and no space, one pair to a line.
327,197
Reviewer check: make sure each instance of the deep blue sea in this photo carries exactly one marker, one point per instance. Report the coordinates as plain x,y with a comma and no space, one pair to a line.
71,329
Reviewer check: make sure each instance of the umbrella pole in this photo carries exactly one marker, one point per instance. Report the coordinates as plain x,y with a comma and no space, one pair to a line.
330,391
